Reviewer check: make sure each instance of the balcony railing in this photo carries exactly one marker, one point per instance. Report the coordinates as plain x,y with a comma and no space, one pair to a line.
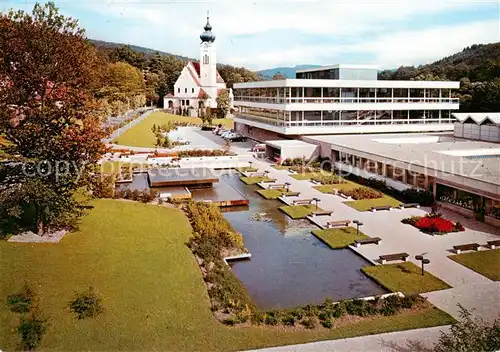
344,100
339,123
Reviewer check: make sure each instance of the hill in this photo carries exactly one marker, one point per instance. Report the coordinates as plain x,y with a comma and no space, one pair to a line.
476,67
288,72
109,46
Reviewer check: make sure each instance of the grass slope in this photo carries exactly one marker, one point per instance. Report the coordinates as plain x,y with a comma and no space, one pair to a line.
252,180
404,277
339,238
141,136
273,193
155,298
486,263
299,211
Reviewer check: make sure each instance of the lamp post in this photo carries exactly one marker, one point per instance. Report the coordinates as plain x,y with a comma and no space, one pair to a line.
317,200
267,173
358,224
250,163
287,184
423,260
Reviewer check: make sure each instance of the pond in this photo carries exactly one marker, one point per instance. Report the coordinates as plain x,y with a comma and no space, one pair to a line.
289,266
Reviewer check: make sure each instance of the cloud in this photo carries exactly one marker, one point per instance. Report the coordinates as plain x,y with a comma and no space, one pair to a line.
261,34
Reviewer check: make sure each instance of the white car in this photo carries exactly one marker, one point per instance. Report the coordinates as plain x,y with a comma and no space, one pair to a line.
225,133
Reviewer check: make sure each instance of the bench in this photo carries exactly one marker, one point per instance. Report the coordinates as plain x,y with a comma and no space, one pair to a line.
314,182
371,240
383,207
466,247
409,205
392,257
291,194
257,174
292,171
302,201
337,223
320,213
271,180
493,244
276,186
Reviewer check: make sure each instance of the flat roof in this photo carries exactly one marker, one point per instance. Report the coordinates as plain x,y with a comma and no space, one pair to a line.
289,143
178,177
343,83
476,160
323,68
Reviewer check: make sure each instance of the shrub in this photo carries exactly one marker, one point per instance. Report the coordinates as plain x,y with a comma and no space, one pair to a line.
298,313
289,320
311,310
258,318
309,323
420,196
339,310
87,304
356,307
363,193
272,318
22,301
32,329
327,323
230,321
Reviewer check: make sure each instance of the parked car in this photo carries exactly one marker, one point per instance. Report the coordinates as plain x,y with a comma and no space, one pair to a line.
225,133
221,131
259,148
236,137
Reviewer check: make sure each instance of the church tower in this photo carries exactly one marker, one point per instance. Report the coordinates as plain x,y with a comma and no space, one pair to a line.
208,61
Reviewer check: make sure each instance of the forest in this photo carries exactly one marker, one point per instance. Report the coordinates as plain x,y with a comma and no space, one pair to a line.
476,67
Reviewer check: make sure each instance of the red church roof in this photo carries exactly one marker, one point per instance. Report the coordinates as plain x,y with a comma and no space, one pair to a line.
201,93
196,67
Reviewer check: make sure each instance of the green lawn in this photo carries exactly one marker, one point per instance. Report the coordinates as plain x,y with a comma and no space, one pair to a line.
308,175
359,205
367,204
299,211
247,169
280,167
141,136
273,193
486,263
154,295
252,180
404,277
340,237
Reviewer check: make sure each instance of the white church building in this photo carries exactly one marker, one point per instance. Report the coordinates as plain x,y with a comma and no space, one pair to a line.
199,83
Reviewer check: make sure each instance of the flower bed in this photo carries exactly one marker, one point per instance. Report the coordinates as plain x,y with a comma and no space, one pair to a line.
434,224
329,179
363,193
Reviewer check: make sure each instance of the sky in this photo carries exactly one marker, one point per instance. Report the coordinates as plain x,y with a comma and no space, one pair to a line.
271,33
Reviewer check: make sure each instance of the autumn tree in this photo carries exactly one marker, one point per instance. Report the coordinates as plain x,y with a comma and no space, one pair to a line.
222,103
48,117
278,76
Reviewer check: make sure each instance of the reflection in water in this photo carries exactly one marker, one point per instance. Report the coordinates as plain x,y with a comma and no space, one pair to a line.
289,266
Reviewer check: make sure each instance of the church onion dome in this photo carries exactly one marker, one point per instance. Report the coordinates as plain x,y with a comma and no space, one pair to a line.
207,36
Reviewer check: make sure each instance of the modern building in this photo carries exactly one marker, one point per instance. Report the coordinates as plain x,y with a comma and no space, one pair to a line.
199,83
483,126
342,99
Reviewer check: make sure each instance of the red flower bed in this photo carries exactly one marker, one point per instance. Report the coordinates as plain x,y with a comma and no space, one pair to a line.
434,223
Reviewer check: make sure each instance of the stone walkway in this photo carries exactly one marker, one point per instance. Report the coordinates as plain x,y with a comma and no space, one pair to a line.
472,290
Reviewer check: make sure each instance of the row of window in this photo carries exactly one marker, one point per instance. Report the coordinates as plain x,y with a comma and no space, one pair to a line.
185,90
185,102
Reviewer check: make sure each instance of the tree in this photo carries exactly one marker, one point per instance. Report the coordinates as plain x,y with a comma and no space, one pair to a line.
278,76
470,334
49,118
222,103
125,53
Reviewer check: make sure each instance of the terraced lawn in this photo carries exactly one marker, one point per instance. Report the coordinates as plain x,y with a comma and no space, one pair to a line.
308,175
252,180
367,204
274,193
404,277
135,255
340,237
141,135
299,211
486,263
